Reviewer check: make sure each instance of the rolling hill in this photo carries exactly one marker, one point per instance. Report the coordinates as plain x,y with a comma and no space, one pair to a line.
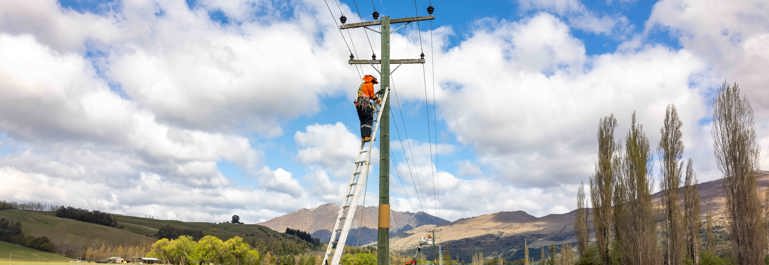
71,237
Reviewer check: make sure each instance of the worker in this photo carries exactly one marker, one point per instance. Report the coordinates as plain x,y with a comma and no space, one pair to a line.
365,107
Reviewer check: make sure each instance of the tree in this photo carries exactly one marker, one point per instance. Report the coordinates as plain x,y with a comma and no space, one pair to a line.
580,224
737,154
526,259
635,227
238,252
692,215
180,250
268,259
671,148
210,249
601,187
709,240
235,219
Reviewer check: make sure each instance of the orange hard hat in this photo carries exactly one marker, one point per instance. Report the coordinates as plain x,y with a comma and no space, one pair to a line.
370,79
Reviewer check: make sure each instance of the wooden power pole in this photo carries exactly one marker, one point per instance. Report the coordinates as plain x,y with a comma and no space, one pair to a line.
383,237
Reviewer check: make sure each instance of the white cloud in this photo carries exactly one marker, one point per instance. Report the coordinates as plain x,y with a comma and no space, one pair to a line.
732,39
151,195
63,29
579,16
331,146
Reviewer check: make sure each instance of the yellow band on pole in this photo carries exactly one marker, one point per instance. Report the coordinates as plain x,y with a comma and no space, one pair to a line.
384,216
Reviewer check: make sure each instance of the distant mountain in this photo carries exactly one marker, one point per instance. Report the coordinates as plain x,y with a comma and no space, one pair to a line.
320,220
503,233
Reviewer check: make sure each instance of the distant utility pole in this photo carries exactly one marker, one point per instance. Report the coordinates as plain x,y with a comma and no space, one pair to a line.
383,238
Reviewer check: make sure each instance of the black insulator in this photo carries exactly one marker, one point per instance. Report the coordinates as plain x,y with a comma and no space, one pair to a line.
422,55
375,15
343,19
352,56
373,56
430,10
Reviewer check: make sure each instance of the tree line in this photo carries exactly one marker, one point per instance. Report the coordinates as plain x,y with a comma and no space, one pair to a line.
211,250
624,218
303,236
95,217
10,231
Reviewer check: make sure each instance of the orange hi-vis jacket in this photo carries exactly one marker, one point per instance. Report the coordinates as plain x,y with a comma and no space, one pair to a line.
367,88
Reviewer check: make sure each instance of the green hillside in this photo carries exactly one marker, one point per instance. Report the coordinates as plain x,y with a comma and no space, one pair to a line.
13,252
72,237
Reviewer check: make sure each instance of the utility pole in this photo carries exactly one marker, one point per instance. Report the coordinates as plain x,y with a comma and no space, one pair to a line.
383,231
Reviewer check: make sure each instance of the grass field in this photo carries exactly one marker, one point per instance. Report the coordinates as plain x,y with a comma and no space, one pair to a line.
13,252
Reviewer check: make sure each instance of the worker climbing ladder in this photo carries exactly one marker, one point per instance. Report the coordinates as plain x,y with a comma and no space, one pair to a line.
346,213
347,209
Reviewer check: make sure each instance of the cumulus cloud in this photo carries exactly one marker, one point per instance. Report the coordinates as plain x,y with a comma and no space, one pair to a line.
579,16
173,93
732,39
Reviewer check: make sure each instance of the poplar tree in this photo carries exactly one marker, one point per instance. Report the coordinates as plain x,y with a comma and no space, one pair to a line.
635,227
580,224
737,154
709,240
601,187
671,148
692,215
525,252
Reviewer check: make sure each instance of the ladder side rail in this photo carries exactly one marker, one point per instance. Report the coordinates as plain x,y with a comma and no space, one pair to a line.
336,258
334,234
348,222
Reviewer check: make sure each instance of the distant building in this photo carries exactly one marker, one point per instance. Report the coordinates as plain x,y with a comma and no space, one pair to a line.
116,260
150,260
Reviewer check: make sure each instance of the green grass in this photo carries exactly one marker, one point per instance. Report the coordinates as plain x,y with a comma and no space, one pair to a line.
14,262
71,237
16,253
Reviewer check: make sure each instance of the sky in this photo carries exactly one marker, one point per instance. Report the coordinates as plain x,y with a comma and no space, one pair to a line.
197,110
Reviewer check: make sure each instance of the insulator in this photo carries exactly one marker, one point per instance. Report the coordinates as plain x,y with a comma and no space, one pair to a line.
343,19
422,55
375,15
373,56
430,10
352,56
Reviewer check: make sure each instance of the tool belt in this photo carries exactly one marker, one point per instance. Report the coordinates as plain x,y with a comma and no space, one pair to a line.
363,102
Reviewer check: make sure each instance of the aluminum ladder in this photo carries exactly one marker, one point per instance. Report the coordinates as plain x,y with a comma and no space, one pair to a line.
346,214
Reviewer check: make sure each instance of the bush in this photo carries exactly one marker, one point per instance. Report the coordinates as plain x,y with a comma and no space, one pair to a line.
39,243
709,258
171,232
303,236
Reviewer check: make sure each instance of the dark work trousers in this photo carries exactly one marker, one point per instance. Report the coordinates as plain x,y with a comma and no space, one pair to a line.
365,114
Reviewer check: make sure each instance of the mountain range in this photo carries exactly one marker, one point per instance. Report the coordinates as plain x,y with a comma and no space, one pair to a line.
320,220
496,234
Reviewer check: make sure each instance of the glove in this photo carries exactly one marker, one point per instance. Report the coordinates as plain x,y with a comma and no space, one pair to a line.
378,101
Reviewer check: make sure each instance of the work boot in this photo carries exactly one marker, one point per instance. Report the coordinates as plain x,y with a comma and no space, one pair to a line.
366,138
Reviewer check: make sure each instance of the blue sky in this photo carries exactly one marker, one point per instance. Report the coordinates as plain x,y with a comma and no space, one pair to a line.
245,106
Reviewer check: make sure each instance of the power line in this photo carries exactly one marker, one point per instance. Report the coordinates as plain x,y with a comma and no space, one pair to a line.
405,149
341,34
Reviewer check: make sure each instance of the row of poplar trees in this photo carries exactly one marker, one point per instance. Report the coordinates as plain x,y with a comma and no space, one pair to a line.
623,216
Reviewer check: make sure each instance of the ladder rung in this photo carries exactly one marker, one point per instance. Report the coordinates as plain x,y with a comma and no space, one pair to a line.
361,162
